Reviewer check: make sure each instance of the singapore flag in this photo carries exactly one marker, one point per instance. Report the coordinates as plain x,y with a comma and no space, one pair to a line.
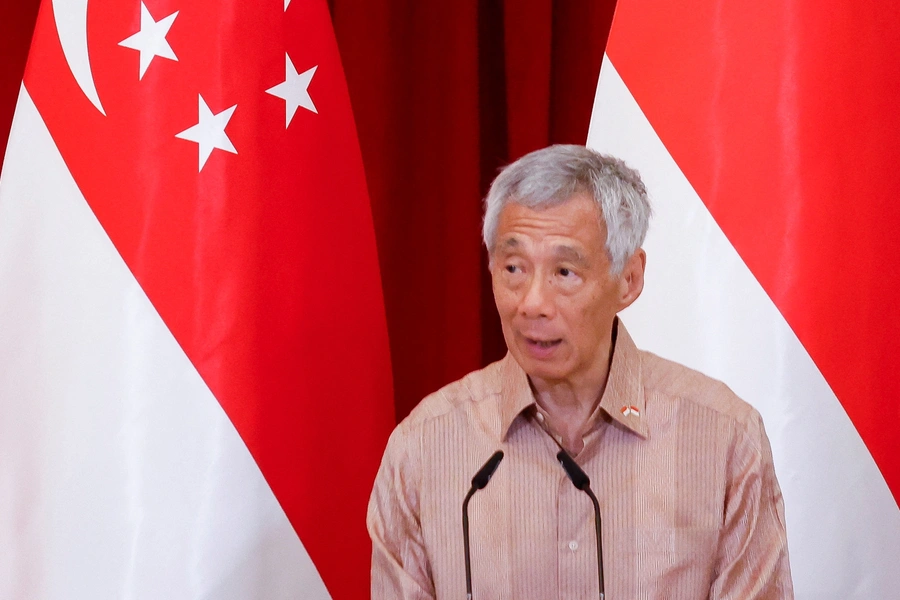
768,135
194,373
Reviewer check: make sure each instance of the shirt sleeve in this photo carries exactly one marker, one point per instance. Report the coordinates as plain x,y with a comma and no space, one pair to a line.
400,569
752,561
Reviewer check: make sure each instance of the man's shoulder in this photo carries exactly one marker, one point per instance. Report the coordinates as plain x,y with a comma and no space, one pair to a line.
474,387
673,380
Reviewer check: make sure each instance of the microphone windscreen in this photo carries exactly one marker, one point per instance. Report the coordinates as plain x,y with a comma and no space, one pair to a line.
484,474
576,474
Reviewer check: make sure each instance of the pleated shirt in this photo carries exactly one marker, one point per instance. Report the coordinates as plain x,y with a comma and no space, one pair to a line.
682,469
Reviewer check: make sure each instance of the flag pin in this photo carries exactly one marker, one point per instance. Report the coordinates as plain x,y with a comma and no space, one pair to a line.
631,410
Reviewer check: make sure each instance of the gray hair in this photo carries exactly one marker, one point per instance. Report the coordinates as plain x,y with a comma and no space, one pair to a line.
551,176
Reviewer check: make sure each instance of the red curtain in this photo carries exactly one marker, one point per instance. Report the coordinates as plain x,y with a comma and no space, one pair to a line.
16,24
443,94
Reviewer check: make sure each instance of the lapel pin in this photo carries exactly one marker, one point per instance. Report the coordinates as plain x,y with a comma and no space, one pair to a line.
631,410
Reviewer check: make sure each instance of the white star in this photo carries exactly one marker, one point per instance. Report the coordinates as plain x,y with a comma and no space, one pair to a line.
286,2
150,41
209,132
294,90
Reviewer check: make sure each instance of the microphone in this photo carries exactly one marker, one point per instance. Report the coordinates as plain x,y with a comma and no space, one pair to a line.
481,479
582,482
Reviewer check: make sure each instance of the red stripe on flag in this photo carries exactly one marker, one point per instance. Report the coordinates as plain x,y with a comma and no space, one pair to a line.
263,263
783,116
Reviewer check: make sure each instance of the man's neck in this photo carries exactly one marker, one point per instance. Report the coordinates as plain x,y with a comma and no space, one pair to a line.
568,405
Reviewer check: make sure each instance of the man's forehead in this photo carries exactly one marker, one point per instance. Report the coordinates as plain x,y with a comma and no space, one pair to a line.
563,249
575,211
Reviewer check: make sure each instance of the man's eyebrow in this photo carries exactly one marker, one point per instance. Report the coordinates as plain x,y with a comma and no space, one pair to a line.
570,253
510,243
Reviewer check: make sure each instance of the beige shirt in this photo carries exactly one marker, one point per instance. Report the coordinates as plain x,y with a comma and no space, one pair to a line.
682,469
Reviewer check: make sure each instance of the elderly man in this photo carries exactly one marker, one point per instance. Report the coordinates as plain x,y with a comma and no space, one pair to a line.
682,467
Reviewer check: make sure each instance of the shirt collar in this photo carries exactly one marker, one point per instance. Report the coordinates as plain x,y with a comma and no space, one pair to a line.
515,393
623,399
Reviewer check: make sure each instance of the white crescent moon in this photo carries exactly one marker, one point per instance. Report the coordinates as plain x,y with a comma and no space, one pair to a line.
71,26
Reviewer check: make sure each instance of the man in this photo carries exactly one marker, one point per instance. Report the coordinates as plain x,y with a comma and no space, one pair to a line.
682,467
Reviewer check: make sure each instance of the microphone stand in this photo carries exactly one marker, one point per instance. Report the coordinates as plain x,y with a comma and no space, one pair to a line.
481,479
582,482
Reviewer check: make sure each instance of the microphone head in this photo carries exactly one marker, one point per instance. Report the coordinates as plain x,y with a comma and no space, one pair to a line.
484,474
578,477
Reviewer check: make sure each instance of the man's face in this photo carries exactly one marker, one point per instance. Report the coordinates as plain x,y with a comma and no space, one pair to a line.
554,292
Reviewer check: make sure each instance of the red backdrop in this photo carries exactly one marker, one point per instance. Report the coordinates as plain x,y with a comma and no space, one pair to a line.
16,24
443,94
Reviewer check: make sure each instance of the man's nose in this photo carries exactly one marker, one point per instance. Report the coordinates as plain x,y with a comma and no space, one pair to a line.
538,299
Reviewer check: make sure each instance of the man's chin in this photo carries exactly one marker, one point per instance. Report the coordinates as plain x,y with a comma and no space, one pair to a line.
545,370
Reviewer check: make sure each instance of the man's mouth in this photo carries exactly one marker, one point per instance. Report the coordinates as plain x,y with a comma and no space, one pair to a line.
543,344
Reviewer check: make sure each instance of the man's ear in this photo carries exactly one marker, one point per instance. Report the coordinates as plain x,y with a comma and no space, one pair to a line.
632,278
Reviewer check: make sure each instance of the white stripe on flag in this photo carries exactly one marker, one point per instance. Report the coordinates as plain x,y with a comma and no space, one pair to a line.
121,476
702,307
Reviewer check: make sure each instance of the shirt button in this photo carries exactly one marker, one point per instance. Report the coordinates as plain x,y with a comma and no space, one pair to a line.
573,545
540,417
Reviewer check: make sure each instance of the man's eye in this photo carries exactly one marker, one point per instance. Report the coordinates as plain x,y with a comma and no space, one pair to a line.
512,268
565,272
